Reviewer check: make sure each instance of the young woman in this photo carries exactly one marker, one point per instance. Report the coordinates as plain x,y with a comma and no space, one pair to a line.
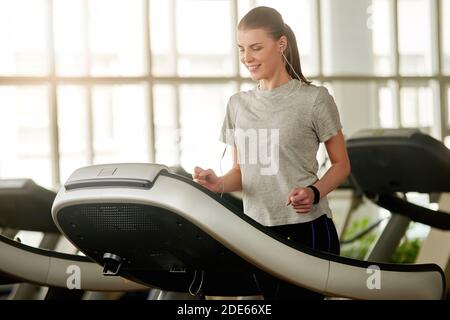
284,119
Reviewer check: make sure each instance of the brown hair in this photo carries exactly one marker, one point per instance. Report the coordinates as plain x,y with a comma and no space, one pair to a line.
271,20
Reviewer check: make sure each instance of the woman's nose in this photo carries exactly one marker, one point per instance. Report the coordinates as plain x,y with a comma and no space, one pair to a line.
247,57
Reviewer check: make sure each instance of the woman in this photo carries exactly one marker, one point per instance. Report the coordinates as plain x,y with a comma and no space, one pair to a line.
284,119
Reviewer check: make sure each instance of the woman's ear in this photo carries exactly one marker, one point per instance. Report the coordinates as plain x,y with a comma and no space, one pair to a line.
282,43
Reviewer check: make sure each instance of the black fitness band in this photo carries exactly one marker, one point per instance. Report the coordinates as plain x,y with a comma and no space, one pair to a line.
316,194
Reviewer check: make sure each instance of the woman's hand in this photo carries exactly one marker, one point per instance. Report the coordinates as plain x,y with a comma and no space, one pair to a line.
301,199
208,179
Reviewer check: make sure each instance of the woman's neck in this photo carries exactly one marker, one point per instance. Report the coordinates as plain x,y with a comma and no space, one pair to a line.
275,81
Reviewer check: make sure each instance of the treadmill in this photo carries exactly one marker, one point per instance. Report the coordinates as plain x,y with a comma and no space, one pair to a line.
25,205
147,224
388,163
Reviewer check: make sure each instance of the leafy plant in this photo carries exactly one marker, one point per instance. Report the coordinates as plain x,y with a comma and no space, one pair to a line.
406,252
359,248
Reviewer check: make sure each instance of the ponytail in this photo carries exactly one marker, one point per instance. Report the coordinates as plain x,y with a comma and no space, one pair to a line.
293,56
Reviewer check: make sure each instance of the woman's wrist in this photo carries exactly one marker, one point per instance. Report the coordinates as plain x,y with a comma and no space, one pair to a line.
316,194
220,185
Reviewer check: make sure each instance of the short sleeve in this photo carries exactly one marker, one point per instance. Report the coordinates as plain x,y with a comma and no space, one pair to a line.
325,116
227,132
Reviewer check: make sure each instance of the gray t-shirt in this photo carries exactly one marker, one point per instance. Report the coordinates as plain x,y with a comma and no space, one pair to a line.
277,134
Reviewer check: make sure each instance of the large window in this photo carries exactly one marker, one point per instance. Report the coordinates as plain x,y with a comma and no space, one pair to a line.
447,137
70,33
72,128
167,132
416,107
185,46
119,120
23,37
200,124
99,37
95,81
414,22
387,114
360,45
448,104
379,23
25,133
445,37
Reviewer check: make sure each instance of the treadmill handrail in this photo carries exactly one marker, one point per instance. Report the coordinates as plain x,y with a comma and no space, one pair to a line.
434,218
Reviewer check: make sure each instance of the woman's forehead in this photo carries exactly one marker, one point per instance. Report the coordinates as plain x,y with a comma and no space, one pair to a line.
248,37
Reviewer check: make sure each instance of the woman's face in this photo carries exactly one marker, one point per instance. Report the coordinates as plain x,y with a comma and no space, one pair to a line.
259,53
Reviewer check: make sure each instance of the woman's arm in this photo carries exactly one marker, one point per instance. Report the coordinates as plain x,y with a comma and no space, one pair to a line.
231,181
340,165
302,198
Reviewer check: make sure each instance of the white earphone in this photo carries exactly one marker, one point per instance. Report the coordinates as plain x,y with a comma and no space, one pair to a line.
287,61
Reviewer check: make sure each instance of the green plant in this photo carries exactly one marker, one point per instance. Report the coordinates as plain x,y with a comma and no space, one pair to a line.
407,251
359,248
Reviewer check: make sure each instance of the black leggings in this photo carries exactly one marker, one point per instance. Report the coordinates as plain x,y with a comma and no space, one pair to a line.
319,234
